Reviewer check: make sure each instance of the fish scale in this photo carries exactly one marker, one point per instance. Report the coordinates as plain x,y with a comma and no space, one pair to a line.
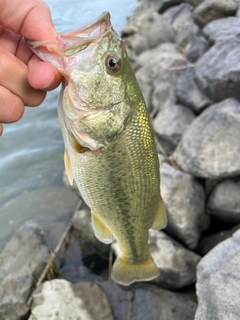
109,147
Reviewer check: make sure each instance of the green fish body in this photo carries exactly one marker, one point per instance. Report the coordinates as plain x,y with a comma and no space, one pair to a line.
109,147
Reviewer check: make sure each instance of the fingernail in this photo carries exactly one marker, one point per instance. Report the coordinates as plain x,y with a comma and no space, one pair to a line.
49,83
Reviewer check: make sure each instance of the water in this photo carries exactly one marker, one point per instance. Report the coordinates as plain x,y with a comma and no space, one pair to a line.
31,150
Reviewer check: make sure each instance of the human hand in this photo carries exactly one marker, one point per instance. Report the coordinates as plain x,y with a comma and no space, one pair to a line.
24,78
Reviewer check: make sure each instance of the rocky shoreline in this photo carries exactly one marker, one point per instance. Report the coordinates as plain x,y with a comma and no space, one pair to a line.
186,55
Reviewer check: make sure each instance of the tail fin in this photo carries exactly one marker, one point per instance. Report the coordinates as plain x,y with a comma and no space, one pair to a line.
124,272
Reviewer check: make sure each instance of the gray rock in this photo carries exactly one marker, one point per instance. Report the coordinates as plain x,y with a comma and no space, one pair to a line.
184,201
224,201
218,283
170,125
90,245
210,10
181,19
157,74
146,86
210,146
153,29
146,301
188,93
59,299
195,47
218,70
165,4
222,29
194,3
21,261
207,243
177,265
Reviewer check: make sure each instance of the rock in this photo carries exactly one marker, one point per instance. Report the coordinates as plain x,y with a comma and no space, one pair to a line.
151,23
181,19
210,10
194,3
177,265
195,47
210,146
188,93
222,29
165,4
146,87
59,299
217,72
218,281
21,261
90,245
157,72
147,301
170,124
184,201
207,243
224,201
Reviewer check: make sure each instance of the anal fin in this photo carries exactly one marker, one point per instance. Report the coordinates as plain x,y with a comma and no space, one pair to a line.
68,167
100,230
160,220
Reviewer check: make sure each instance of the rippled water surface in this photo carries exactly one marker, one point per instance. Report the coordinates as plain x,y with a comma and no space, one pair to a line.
31,150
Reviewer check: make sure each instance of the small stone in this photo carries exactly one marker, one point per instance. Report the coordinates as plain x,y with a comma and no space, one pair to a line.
195,48
194,3
210,10
170,125
218,281
188,93
21,261
184,201
210,146
222,29
224,201
59,299
217,72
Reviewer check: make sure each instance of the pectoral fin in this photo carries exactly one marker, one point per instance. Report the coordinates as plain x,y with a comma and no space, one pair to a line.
100,230
68,167
160,220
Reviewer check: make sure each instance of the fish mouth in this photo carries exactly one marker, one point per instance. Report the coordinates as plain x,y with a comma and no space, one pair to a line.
70,43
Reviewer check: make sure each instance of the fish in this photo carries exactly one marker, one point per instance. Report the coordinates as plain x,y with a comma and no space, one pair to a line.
109,146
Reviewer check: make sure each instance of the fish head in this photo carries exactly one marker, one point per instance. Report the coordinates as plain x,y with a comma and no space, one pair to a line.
95,66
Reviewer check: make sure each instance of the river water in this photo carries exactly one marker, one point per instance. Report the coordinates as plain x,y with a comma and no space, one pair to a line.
31,150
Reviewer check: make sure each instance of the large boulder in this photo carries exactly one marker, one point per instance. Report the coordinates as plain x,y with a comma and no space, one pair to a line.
21,261
170,125
184,201
147,301
61,300
224,201
210,10
217,72
222,29
218,283
210,146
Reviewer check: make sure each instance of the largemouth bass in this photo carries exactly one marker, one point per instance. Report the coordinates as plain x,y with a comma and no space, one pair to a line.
109,147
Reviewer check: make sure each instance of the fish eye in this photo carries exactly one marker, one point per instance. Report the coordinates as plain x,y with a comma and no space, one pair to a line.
113,63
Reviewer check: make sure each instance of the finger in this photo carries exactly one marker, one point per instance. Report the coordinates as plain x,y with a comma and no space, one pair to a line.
11,106
1,129
31,19
9,40
14,77
43,75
